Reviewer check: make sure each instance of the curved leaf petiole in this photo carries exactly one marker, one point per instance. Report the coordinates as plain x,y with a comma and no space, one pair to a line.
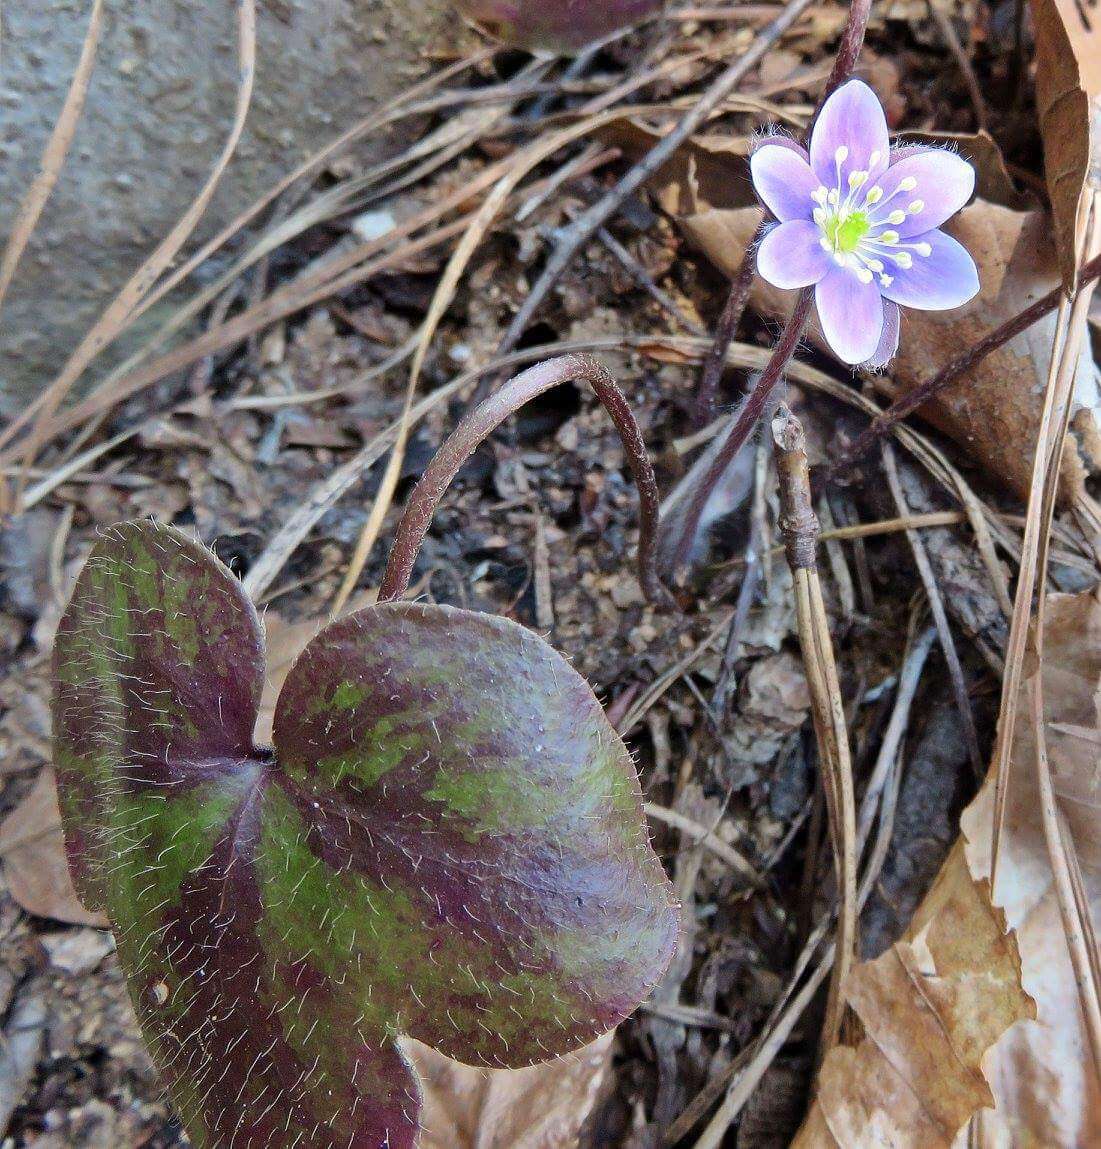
478,424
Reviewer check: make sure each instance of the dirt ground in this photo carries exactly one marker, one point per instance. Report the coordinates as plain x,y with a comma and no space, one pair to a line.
542,527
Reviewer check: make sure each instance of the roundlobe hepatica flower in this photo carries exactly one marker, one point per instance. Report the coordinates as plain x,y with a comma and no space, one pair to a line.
861,224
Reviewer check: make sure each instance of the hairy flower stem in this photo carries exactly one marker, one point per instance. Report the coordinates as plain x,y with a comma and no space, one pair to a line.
946,376
848,52
732,314
852,40
482,421
751,414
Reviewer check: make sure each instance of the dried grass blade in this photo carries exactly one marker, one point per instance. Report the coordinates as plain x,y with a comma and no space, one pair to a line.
142,281
940,614
53,157
1041,507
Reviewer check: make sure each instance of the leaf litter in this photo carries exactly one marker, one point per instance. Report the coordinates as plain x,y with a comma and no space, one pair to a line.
270,426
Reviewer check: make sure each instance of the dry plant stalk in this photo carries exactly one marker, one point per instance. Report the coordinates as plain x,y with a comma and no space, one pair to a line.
54,155
799,527
1026,639
115,318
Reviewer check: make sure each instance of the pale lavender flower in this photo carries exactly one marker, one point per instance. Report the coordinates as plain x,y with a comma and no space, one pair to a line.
860,223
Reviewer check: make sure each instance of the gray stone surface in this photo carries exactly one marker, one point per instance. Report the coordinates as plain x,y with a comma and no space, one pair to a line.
158,111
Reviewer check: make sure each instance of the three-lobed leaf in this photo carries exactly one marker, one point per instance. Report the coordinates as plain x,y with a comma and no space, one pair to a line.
447,842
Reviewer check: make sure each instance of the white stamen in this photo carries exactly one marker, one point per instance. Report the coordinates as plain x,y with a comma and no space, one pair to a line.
819,194
897,217
923,249
874,195
857,179
842,154
887,238
825,244
864,275
875,265
917,206
820,215
839,258
904,260
886,280
908,184
834,197
874,159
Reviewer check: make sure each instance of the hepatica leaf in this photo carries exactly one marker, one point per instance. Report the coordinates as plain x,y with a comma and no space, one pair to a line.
446,841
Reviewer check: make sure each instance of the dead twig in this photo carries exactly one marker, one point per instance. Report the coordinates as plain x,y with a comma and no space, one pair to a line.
799,526
573,237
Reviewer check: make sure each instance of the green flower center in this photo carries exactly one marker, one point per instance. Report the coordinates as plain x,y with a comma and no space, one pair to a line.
844,232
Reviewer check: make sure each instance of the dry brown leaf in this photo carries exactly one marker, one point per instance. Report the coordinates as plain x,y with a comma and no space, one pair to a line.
542,1107
994,410
33,850
1046,1092
285,641
929,1008
1068,97
708,171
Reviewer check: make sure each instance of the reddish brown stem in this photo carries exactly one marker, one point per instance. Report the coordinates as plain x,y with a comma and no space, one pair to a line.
947,375
848,52
482,421
724,334
750,415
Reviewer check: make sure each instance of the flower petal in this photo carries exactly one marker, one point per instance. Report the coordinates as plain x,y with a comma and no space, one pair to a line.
783,180
944,183
888,341
791,255
851,118
943,279
851,314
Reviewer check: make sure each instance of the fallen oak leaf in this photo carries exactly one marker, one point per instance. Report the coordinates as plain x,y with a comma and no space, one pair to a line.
33,849
541,1107
1041,1071
1068,99
929,1010
447,841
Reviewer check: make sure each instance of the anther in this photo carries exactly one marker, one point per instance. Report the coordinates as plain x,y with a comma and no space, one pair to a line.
864,275
857,179
897,217
923,249
908,184
874,195
904,260
842,154
888,238
916,206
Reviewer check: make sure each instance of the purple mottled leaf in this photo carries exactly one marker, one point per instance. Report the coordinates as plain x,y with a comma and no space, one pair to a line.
560,25
446,842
